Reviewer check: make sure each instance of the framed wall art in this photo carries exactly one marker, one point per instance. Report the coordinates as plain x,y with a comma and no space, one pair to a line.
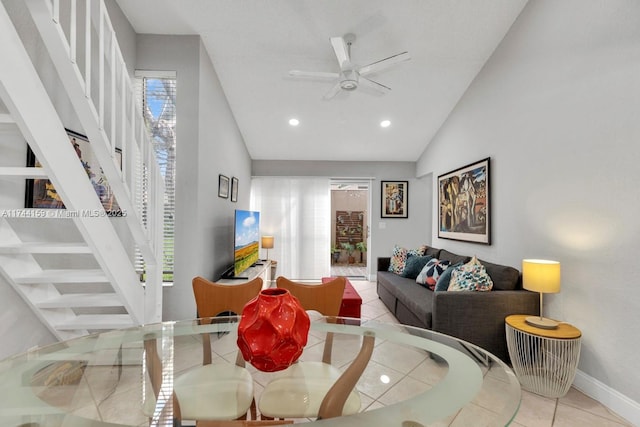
40,193
234,189
223,186
464,203
395,199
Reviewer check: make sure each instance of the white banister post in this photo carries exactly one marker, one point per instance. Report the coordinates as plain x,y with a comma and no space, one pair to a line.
56,11
87,50
123,126
100,64
114,72
73,31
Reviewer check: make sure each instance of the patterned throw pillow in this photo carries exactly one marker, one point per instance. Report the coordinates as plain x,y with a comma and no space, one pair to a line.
443,281
414,265
472,276
421,251
432,270
399,257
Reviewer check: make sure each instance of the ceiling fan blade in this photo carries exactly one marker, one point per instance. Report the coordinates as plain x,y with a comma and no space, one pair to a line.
341,51
333,92
384,63
314,74
378,87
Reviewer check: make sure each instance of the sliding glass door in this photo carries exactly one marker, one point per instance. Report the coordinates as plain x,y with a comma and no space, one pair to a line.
350,221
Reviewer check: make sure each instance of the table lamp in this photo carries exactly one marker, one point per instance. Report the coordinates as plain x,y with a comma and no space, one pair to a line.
541,276
267,243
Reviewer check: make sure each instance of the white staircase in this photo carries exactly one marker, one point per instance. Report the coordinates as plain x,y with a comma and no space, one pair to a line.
75,267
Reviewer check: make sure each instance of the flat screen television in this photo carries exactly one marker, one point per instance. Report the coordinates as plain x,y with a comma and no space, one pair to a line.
246,246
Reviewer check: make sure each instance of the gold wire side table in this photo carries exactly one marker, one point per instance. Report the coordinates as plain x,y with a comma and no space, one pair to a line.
544,360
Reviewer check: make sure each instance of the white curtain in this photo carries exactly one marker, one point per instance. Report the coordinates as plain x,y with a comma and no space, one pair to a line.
296,211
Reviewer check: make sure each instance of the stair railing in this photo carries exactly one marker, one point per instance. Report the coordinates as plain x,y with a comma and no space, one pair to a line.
82,43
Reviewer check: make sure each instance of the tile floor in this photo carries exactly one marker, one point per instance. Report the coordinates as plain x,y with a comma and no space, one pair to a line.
574,409
353,272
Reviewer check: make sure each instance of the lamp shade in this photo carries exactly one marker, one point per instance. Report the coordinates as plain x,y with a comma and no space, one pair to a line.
267,242
541,275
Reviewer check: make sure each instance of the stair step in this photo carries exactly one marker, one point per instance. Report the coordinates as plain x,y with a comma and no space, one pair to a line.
45,248
64,276
23,172
6,118
97,322
82,300
7,123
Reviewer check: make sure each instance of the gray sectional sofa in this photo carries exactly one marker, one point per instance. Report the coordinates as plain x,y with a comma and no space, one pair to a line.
476,317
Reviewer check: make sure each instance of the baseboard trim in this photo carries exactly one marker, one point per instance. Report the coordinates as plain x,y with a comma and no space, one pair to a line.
612,399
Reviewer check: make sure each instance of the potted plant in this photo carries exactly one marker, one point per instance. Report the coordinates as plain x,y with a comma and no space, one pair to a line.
362,247
349,248
335,253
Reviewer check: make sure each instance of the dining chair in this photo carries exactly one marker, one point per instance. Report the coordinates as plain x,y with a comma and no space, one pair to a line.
309,389
171,414
211,391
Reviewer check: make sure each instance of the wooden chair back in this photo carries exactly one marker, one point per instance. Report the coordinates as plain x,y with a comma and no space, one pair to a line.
325,298
213,299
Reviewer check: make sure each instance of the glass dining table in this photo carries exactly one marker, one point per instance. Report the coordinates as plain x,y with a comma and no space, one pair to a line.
414,378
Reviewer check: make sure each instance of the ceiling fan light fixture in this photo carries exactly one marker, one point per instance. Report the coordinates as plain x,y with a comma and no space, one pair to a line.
349,84
349,80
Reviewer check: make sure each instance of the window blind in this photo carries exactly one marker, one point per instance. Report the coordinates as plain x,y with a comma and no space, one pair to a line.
158,99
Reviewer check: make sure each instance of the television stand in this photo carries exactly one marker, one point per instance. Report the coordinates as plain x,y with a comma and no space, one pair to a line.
262,270
228,275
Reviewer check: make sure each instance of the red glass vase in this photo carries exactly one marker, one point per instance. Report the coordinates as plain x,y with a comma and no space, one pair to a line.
273,330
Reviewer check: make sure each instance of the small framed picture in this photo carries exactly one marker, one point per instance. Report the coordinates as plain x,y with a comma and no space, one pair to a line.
223,186
395,199
234,189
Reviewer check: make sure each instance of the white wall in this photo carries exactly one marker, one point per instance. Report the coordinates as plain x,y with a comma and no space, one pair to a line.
556,108
222,151
208,143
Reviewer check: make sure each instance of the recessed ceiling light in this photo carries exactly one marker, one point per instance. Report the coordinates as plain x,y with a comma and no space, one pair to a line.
385,123
294,122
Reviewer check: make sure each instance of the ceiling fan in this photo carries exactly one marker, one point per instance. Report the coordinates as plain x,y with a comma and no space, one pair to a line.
352,76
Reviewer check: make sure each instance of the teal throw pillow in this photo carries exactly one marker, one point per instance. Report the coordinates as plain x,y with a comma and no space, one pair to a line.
443,281
414,265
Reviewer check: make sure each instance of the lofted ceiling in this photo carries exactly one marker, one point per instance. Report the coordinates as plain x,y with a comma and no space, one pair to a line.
254,43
